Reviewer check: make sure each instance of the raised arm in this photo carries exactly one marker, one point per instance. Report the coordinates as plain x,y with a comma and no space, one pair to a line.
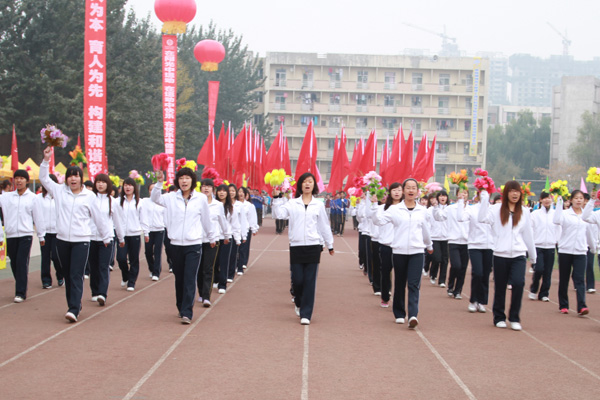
485,213
51,186
589,215
558,212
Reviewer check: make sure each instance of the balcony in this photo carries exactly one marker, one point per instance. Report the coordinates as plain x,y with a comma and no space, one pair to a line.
467,111
468,158
441,156
444,88
362,85
278,106
467,134
417,86
335,84
389,109
469,88
307,84
443,110
442,133
308,107
361,108
335,107
362,130
281,83
332,130
389,86
416,110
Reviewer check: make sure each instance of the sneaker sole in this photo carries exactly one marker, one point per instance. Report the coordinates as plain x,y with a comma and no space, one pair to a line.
71,318
413,324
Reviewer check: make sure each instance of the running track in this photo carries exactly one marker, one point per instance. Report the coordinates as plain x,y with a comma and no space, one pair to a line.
250,344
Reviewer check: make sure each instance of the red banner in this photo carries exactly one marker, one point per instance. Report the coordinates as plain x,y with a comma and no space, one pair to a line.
94,84
213,97
169,57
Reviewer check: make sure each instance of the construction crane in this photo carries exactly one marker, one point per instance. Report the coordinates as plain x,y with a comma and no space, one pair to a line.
449,46
565,40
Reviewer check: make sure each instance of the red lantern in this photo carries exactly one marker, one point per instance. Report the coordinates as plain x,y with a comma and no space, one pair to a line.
175,14
209,53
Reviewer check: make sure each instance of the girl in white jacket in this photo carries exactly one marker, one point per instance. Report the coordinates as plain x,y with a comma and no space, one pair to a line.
228,252
48,208
308,224
572,251
411,237
188,221
439,236
76,208
129,204
513,238
248,211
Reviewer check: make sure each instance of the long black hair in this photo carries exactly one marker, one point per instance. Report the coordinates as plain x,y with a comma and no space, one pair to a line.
74,170
389,201
301,180
104,178
136,191
227,203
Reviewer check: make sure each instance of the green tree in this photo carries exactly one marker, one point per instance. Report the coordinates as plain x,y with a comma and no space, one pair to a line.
518,149
585,150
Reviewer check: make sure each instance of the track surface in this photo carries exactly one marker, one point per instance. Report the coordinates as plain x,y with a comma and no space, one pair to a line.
250,344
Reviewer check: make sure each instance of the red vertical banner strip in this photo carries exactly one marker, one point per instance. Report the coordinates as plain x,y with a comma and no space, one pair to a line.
94,85
213,97
169,57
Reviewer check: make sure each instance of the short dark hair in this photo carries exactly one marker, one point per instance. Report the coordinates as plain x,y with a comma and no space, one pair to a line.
301,180
21,173
88,184
441,193
73,170
207,182
543,195
186,172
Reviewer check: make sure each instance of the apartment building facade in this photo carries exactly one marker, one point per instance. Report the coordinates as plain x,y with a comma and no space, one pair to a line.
362,92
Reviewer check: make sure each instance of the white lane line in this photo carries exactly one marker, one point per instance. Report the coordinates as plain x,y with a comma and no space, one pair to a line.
446,366
304,395
174,346
350,247
46,291
75,325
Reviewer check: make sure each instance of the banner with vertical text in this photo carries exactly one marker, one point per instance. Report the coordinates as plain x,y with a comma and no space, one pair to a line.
94,83
169,57
213,97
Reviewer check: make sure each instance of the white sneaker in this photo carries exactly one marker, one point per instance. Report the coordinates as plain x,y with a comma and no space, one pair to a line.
305,321
545,299
425,272
533,296
297,309
413,322
155,278
229,280
123,283
18,299
244,267
94,298
221,291
515,326
481,308
501,324
71,317
377,293
432,281
442,284
472,307
150,275
531,271
240,273
200,299
591,290
215,285
206,303
101,300
86,277
399,320
457,296
130,289
509,287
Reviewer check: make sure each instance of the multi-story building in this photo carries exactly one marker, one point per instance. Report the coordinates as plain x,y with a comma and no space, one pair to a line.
534,78
498,78
502,115
362,92
574,96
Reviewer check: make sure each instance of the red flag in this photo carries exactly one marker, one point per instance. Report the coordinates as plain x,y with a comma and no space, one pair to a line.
287,164
221,151
274,159
430,169
406,166
369,160
395,158
14,152
420,164
340,167
241,156
51,166
356,158
208,153
383,163
307,159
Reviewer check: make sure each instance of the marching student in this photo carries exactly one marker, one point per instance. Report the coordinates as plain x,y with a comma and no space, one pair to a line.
21,211
411,237
152,221
210,253
439,236
513,238
458,232
386,239
308,224
129,203
592,217
188,221
228,253
248,211
481,254
364,228
590,280
99,256
375,246
76,209
573,246
48,250
545,235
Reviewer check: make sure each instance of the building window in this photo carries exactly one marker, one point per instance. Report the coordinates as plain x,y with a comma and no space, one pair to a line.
335,122
334,98
468,126
307,78
280,78
361,99
363,76
417,81
280,97
279,120
336,74
415,101
389,123
443,102
258,119
416,124
305,120
441,147
390,77
444,124
260,97
444,82
361,122
388,101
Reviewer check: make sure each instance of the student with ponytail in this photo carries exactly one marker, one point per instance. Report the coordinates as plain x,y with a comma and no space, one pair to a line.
129,204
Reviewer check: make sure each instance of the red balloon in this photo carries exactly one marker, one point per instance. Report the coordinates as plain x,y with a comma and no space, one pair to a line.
209,53
175,14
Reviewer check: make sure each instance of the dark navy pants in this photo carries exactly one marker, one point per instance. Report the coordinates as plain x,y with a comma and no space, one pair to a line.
227,262
99,259
207,270
376,267
407,272
385,255
571,265
18,250
73,257
244,253
129,272
440,260
506,269
48,253
186,262
304,283
542,270
153,252
459,261
481,267
590,280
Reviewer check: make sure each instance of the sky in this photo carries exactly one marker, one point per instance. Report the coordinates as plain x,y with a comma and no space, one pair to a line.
377,26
